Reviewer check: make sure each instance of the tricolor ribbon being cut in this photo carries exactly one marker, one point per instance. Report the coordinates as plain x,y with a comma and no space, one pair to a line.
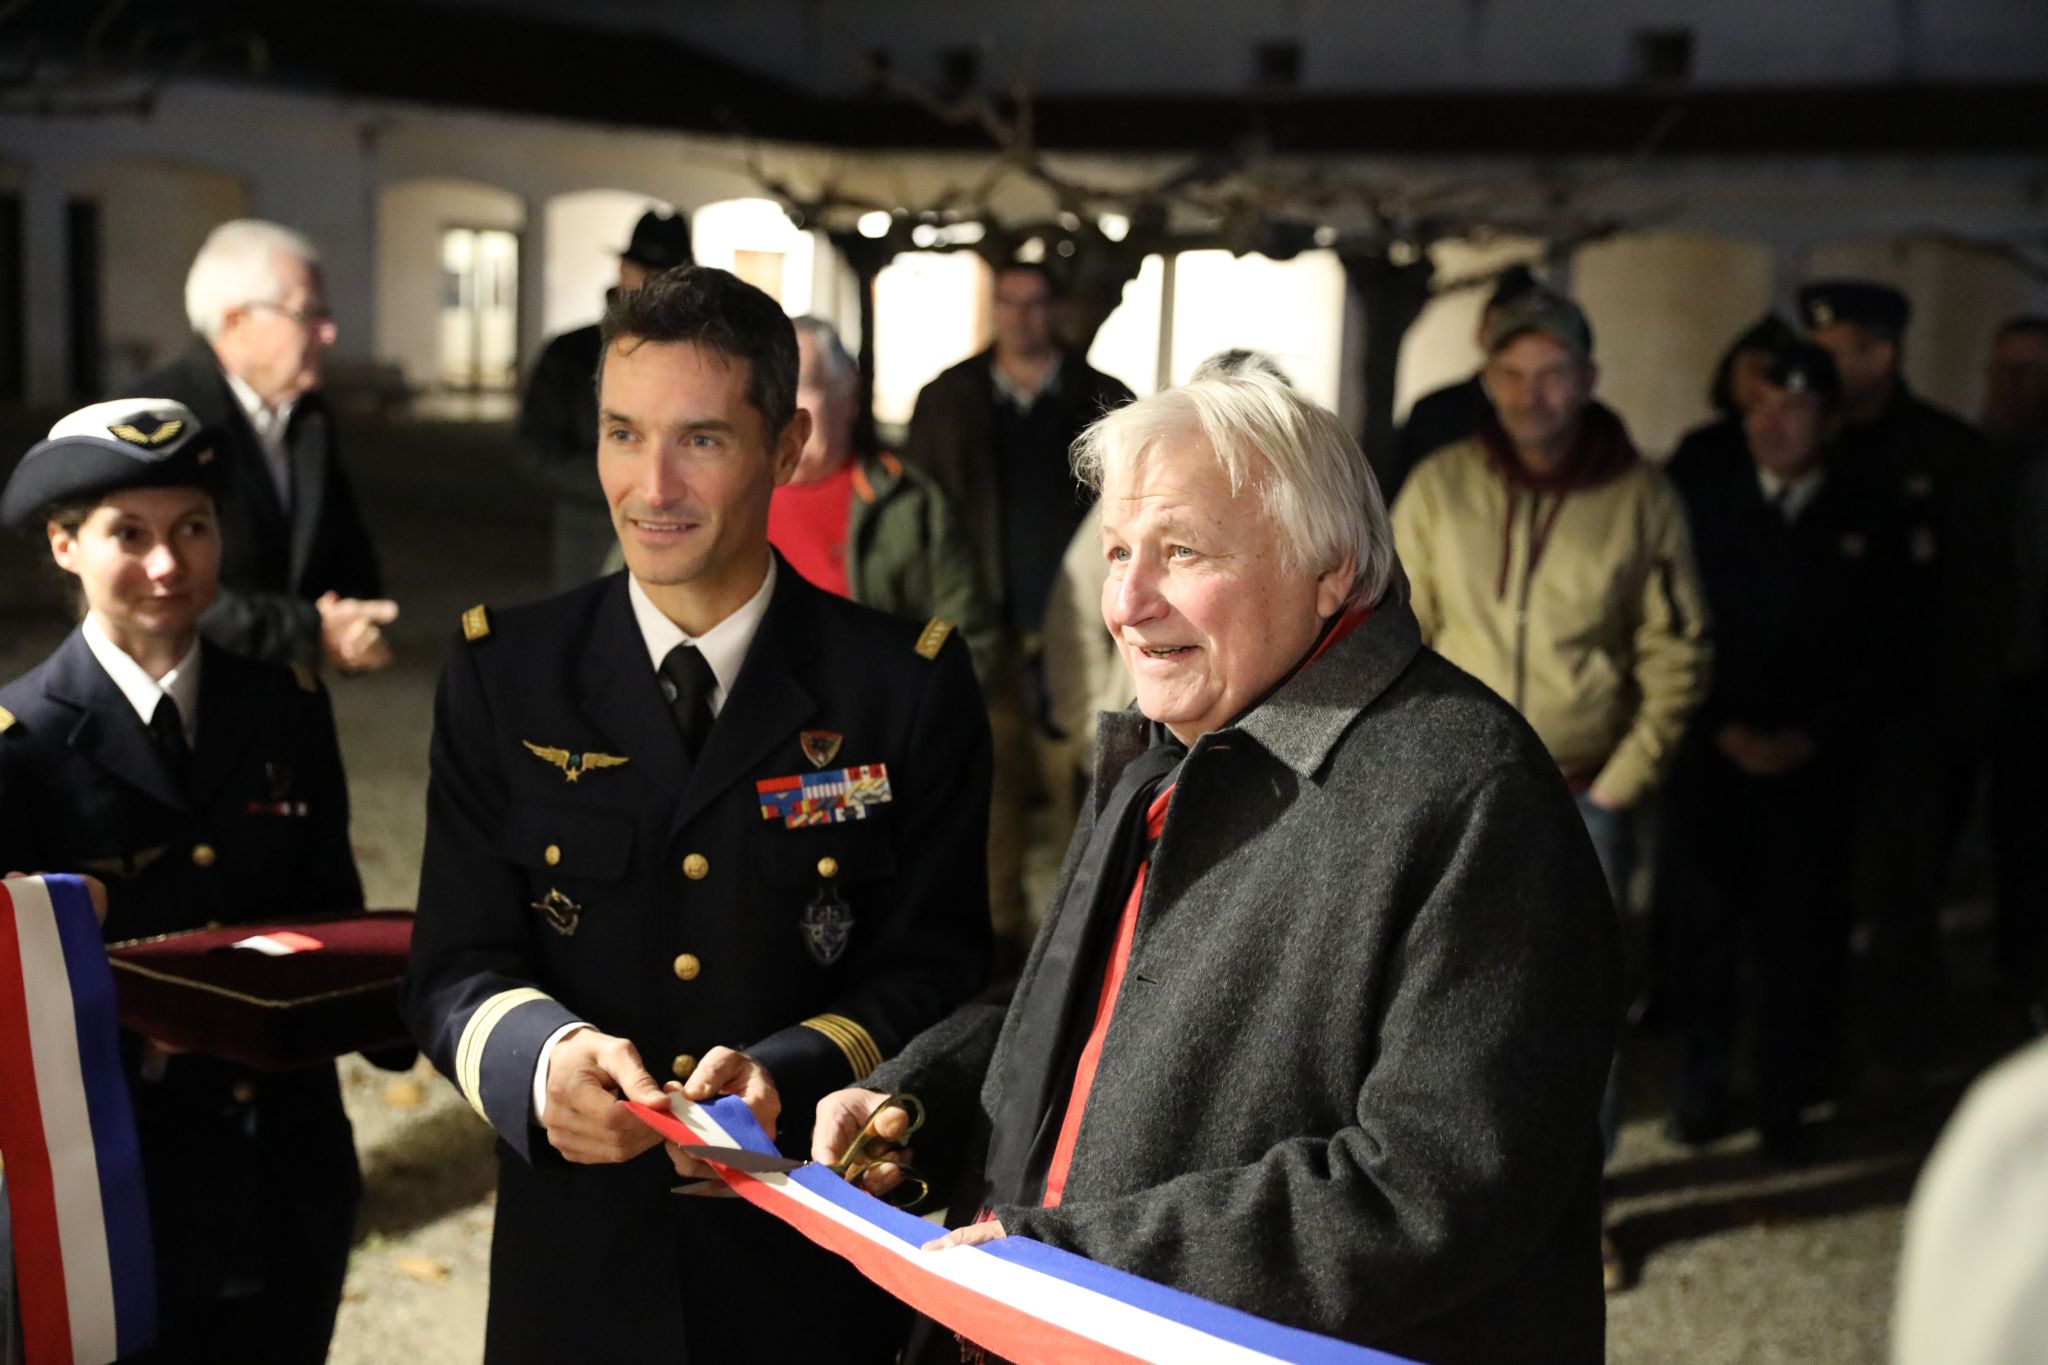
85,1289
1014,1297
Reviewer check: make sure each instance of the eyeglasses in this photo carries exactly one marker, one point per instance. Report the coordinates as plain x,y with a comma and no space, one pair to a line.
304,317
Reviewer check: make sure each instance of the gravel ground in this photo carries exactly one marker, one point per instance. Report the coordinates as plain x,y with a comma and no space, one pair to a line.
1736,1262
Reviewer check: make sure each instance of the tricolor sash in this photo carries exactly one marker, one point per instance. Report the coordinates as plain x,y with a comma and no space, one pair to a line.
1016,1298
86,1291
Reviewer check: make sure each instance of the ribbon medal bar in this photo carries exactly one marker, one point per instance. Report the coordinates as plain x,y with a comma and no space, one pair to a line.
826,798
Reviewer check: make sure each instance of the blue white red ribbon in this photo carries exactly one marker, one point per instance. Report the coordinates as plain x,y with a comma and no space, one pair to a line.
1016,1298
85,1286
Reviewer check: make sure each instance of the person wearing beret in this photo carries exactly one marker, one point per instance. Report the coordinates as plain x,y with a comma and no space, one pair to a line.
702,820
299,581
558,420
200,786
1940,564
1756,818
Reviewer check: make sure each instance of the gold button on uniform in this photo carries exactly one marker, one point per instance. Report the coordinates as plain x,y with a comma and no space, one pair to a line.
687,966
828,867
696,867
203,855
553,854
244,1091
684,1065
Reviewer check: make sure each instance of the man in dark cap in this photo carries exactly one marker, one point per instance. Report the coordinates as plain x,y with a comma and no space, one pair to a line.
558,423
1757,816
1938,563
1454,412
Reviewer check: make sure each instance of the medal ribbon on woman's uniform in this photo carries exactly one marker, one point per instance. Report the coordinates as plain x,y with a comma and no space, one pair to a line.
85,1287
1018,1299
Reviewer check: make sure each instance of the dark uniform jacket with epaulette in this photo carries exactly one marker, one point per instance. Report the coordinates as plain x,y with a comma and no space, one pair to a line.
1793,603
652,899
252,1178
1939,561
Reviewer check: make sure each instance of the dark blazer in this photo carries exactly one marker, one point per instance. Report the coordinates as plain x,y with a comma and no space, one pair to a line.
1792,602
952,437
274,563
651,898
1352,1077
252,1178
558,420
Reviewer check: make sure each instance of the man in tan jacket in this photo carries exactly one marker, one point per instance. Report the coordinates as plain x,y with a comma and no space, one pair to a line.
1548,559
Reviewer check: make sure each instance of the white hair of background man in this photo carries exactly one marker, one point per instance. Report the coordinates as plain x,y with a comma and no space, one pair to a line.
840,370
237,266
1309,476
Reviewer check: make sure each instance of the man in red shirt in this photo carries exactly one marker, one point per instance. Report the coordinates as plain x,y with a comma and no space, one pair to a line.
864,525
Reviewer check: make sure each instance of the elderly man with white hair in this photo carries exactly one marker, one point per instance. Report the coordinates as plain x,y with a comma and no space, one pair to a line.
1318,1022
299,581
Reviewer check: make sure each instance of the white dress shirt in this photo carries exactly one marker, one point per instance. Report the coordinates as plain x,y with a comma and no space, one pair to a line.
270,424
1797,492
143,692
724,647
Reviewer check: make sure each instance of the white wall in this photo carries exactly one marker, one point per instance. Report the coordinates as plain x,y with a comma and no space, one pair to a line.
1664,308
410,219
153,217
586,231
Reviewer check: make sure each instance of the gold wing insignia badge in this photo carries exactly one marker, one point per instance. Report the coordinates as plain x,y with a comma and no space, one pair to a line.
573,765
136,436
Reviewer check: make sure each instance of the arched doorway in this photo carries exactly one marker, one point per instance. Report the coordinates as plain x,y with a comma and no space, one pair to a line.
448,284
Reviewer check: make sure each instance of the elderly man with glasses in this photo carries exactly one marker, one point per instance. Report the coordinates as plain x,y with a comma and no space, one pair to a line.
299,581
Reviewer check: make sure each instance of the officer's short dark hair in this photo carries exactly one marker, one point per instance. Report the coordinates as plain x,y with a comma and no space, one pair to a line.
720,312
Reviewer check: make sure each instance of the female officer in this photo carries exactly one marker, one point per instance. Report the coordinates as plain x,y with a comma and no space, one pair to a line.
200,787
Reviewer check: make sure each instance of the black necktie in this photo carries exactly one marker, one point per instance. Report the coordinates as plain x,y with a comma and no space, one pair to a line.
167,727
690,684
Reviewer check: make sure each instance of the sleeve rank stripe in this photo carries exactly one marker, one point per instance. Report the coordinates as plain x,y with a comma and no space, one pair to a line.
870,1056
476,1036
853,1040
844,1041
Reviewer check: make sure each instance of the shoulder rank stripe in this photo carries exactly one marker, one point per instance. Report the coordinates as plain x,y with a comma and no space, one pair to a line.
476,1037
6,720
308,680
850,1038
933,637
476,623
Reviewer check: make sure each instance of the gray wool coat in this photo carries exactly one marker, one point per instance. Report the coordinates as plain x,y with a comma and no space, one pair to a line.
1352,1079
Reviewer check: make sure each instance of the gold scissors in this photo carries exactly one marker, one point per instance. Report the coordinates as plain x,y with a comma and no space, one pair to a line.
868,1150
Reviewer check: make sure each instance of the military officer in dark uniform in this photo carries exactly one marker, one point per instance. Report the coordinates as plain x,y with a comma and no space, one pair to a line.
698,820
199,786
558,421
1758,809
1939,569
